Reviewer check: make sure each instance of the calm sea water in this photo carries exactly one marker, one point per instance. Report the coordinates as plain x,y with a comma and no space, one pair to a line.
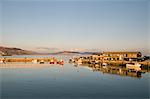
69,82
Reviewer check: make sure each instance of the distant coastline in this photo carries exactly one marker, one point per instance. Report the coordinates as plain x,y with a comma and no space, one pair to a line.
9,51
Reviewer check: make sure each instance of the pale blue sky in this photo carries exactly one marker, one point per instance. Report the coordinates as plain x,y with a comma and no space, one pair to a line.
106,25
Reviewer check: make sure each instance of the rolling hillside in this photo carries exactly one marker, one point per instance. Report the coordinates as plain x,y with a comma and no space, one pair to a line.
15,51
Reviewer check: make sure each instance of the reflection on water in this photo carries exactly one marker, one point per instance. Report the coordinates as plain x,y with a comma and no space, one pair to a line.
45,81
26,65
122,71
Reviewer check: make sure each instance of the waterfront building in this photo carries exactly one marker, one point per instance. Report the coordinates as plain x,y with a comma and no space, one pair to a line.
121,55
97,56
118,56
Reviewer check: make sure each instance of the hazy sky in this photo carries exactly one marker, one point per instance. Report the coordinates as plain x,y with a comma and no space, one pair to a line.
84,24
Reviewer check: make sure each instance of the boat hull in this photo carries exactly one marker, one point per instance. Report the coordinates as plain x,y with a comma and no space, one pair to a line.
135,66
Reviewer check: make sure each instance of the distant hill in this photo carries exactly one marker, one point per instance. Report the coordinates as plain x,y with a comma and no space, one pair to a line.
67,52
73,52
18,51
15,51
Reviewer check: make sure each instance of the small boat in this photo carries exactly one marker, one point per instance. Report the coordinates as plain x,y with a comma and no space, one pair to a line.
71,60
96,61
104,64
135,66
52,62
41,62
97,66
61,62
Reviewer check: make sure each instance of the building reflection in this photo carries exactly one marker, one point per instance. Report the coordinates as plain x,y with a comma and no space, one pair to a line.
114,70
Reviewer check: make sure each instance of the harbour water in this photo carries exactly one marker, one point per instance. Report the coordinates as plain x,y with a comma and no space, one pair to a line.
69,81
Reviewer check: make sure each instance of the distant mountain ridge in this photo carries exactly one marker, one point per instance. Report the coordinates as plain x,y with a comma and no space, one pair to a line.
72,52
15,51
18,51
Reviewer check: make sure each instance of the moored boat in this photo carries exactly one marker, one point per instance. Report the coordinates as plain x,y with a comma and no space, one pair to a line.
41,62
135,66
61,62
71,60
104,64
52,62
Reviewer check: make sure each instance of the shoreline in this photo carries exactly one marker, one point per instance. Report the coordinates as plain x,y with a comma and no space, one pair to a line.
26,65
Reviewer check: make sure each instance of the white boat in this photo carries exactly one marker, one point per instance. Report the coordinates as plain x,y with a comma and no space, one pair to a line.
71,60
135,66
42,62
104,64
97,65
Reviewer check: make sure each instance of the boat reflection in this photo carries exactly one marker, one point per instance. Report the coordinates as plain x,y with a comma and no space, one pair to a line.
115,70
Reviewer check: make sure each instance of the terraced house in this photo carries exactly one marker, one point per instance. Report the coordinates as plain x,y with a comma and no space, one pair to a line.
121,55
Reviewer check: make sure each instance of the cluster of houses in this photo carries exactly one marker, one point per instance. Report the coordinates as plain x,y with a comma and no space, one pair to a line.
131,60
119,56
